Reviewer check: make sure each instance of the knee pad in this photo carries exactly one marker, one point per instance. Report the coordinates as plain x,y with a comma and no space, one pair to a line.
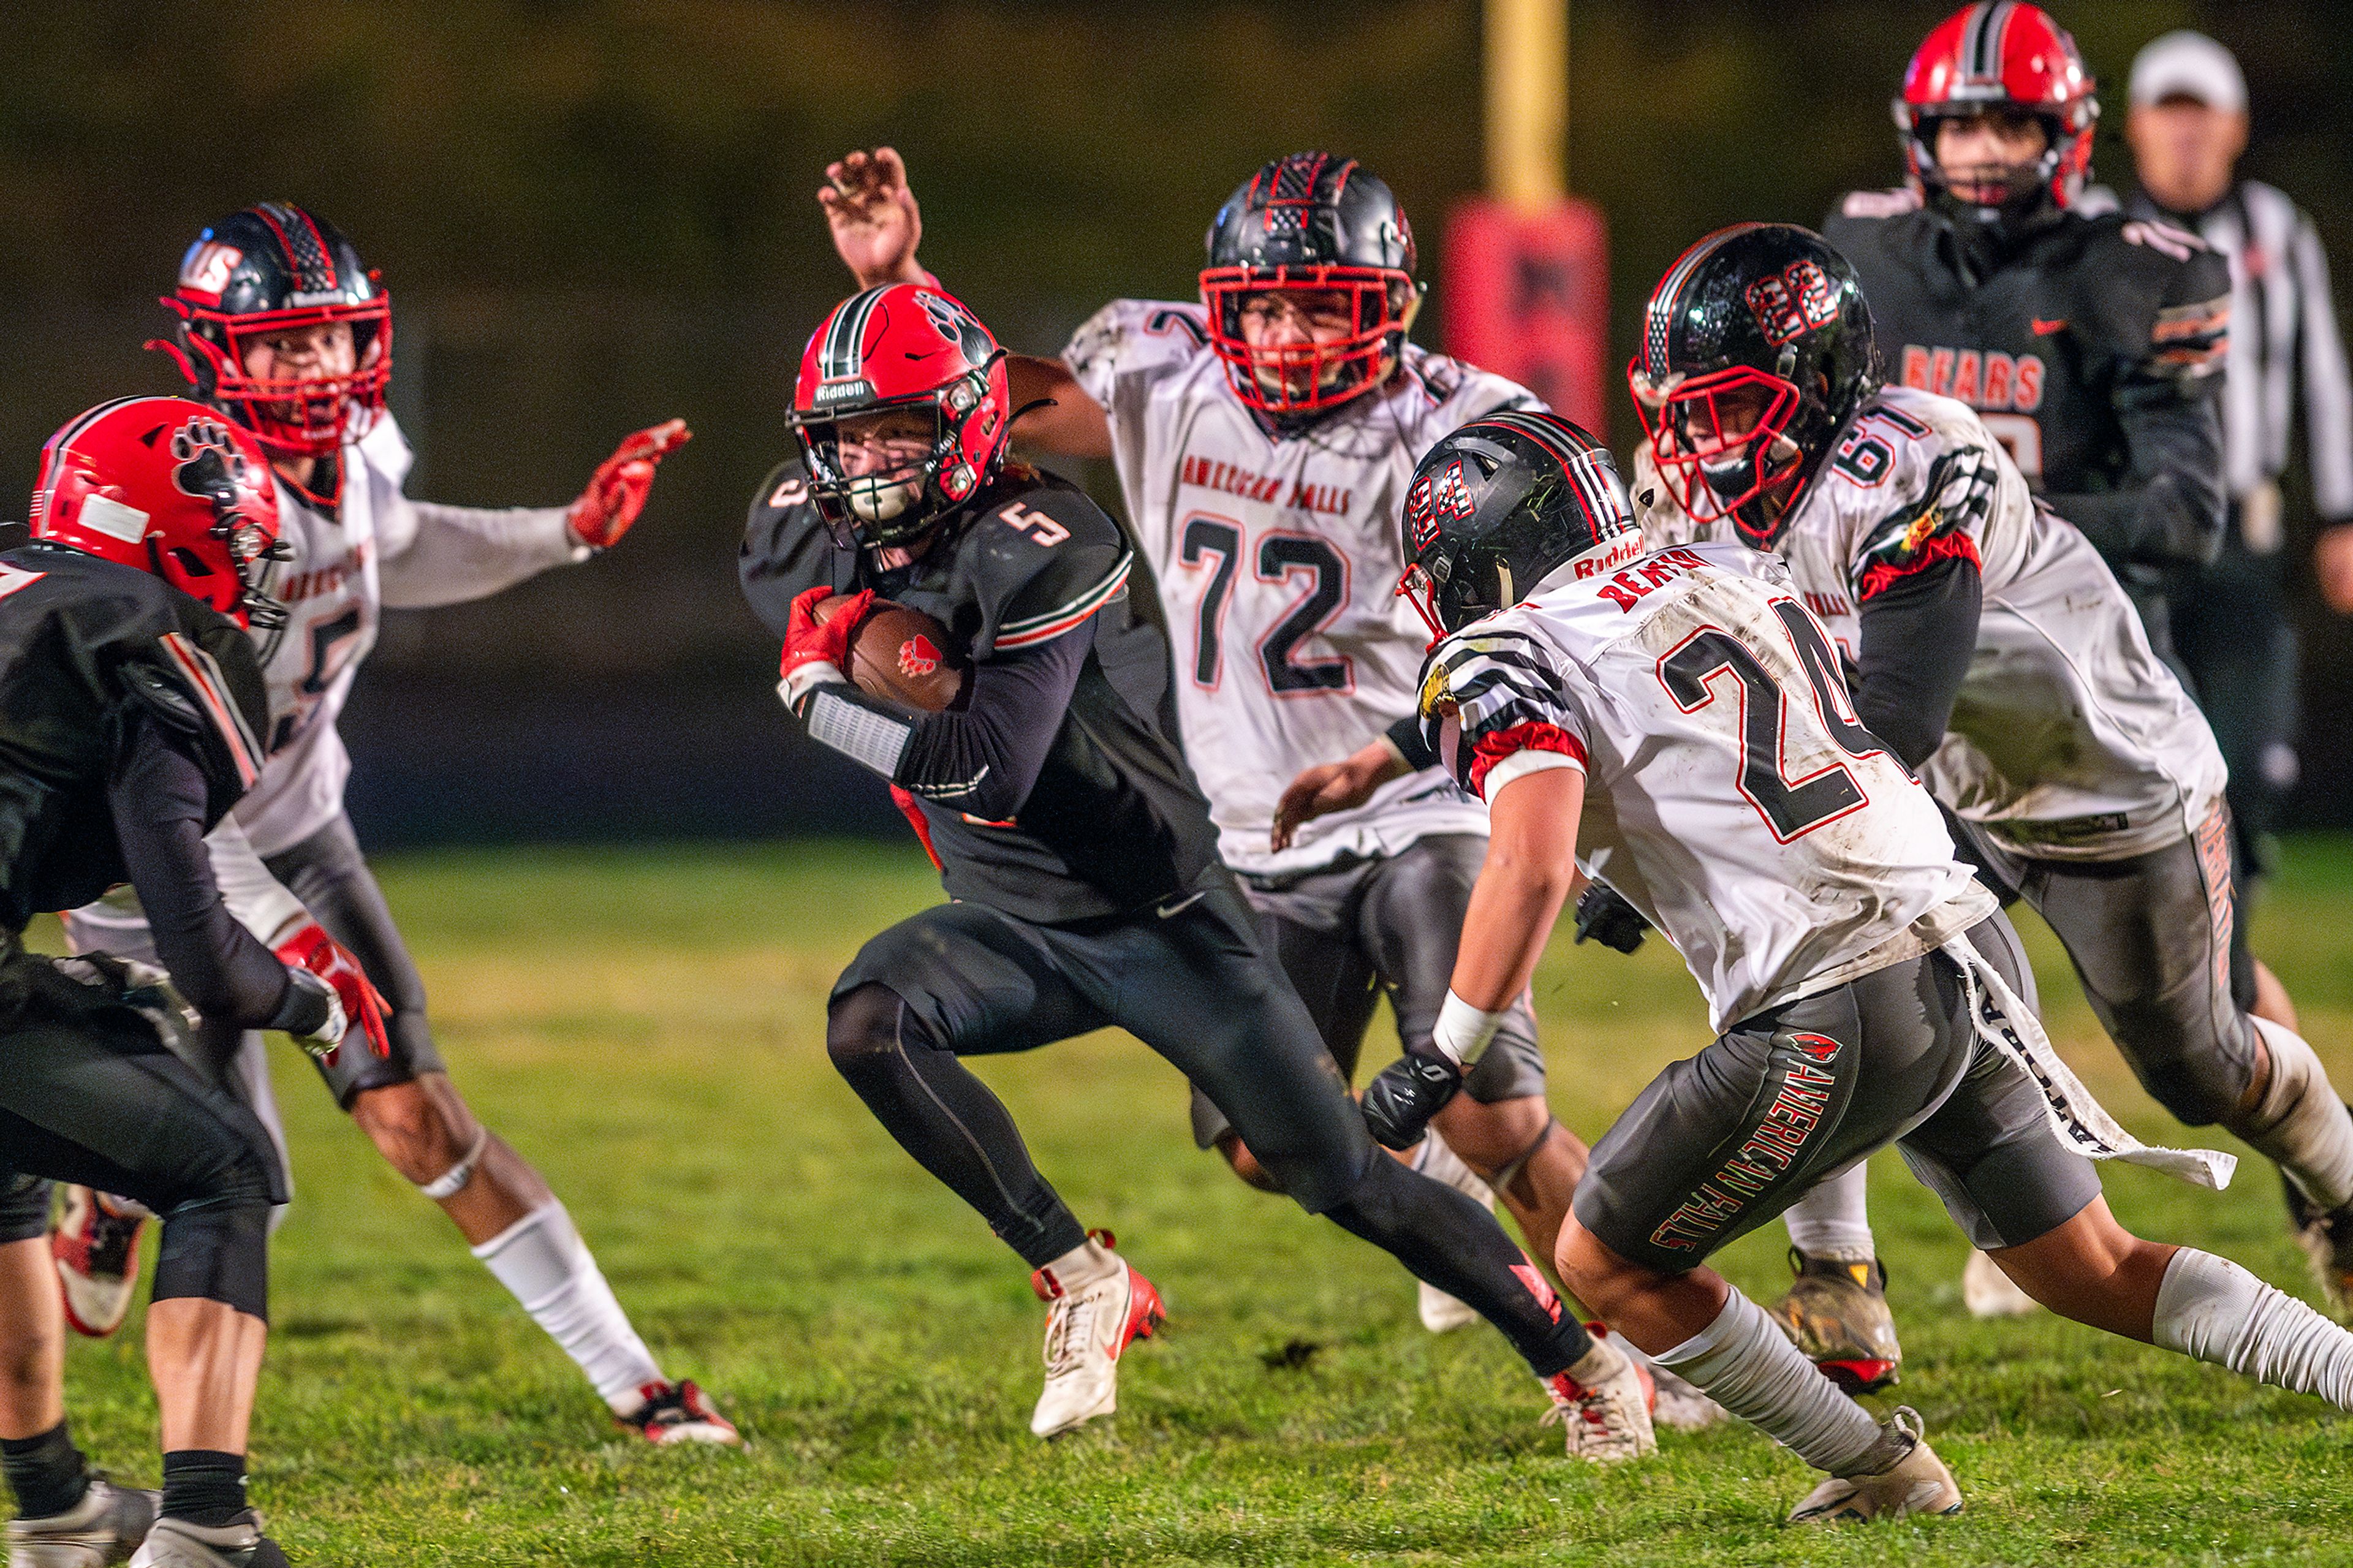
2199,1090
867,1023
218,1249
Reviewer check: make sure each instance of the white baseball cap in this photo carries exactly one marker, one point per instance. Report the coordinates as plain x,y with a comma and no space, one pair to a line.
2185,64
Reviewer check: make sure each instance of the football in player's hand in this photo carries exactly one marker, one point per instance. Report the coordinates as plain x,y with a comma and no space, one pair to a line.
901,656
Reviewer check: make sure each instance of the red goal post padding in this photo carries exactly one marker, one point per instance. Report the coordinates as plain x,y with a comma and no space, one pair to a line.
1527,296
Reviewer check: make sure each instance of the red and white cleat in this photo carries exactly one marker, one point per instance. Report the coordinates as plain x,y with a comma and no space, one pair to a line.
1604,1402
678,1413
1090,1321
95,1243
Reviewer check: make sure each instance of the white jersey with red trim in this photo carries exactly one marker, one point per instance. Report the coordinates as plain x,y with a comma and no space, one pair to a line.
1276,560
373,548
2071,739
1731,796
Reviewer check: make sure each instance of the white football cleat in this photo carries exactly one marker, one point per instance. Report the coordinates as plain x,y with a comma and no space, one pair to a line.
95,1244
1441,1313
1088,1323
1680,1404
1988,1292
1917,1483
176,1543
1607,1411
106,1526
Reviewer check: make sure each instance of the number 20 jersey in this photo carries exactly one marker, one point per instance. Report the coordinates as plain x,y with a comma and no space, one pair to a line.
2069,738
1731,795
1276,561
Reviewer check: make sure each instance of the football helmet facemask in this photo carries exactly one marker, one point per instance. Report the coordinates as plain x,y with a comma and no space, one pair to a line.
1757,347
1998,57
271,269
1305,226
906,347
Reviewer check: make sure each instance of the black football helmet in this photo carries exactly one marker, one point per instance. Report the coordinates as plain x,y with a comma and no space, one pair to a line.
1311,223
1757,346
1503,503
270,268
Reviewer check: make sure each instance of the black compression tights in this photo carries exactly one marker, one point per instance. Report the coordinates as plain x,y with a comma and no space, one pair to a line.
1443,1237
948,1120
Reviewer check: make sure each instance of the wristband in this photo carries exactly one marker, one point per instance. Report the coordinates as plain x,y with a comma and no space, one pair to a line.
1463,1031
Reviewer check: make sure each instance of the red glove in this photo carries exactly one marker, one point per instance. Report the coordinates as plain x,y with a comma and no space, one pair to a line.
617,491
312,949
811,648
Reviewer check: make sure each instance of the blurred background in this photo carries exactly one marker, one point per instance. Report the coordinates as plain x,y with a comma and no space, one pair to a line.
592,215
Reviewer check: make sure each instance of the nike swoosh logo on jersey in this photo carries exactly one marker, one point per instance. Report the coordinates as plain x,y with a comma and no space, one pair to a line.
2044,329
1181,905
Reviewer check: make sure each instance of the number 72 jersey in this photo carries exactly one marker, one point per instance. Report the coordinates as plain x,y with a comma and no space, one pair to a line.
1731,796
1276,558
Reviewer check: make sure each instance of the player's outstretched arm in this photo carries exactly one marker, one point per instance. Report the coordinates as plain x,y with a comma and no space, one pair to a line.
1530,872
1328,787
876,225
617,491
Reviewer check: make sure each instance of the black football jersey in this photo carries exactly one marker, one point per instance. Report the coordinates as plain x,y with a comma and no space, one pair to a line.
1114,821
84,643
2061,341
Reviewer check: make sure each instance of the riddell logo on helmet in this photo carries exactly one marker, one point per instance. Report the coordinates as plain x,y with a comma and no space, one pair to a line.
918,656
842,391
1792,302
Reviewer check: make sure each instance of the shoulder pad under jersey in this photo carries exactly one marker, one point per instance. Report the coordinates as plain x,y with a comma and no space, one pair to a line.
1134,340
1038,560
787,549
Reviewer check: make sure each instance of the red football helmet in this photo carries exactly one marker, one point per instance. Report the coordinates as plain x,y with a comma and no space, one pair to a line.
904,347
170,486
1994,56
274,269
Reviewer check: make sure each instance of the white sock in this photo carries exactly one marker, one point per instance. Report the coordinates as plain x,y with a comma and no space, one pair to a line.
1083,1265
2302,1124
1435,1158
1746,1363
2211,1309
543,1261
1835,1219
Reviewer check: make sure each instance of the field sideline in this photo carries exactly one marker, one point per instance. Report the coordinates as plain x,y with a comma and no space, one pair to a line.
647,1027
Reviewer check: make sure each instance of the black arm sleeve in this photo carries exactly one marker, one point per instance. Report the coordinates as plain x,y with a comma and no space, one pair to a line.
1918,634
2170,508
157,797
1406,736
985,757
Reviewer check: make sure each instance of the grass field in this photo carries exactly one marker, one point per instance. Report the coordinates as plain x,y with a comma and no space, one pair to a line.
646,1025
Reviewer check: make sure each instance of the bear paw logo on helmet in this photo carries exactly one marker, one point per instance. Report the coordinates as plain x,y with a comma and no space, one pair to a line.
208,461
918,656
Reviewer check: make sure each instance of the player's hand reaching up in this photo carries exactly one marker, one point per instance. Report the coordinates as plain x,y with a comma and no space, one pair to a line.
1328,787
875,222
617,491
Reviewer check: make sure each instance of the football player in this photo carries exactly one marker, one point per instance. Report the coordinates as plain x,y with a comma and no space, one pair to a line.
2091,345
134,702
1676,722
1079,858
285,330
1263,436
1994,652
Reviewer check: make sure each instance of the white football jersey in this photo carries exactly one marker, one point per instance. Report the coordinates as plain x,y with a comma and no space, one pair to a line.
1277,561
375,547
1731,796
2070,740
